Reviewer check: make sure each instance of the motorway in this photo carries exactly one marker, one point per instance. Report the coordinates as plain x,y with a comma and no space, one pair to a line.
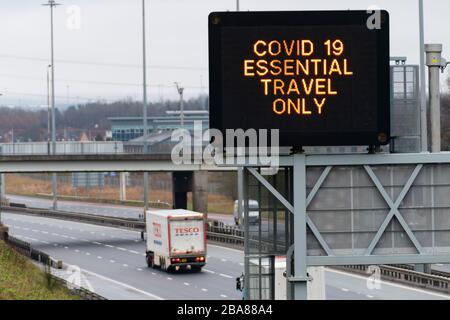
112,263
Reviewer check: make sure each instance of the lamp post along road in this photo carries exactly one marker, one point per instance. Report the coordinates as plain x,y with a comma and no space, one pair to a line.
144,113
423,98
52,4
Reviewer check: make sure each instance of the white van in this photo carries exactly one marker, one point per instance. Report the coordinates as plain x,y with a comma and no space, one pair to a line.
253,214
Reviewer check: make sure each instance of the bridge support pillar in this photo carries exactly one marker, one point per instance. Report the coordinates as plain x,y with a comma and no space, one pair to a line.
123,186
200,192
2,184
181,185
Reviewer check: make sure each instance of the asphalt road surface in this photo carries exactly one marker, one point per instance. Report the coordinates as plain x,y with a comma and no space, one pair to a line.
112,263
97,208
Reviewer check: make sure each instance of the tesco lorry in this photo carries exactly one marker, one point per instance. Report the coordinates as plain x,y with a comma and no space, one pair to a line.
176,239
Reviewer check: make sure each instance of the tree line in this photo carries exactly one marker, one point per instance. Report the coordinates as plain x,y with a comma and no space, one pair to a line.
31,125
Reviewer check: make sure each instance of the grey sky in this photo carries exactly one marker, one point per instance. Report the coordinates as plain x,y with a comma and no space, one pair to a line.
108,44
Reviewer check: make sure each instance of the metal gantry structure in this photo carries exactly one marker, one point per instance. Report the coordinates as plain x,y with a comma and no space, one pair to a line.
332,210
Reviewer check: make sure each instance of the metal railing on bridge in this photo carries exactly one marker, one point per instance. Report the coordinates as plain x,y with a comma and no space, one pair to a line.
62,148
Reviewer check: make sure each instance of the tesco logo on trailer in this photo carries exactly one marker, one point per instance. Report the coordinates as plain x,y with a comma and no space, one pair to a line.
157,230
186,231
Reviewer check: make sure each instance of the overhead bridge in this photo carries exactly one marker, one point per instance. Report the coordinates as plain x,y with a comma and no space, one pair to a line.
99,163
185,177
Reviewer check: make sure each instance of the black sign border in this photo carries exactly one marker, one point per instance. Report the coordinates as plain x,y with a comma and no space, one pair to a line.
217,20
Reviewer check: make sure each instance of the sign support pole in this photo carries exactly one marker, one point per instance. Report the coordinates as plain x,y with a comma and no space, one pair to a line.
300,279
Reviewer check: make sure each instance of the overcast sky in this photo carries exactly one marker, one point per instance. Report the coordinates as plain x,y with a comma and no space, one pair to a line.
101,59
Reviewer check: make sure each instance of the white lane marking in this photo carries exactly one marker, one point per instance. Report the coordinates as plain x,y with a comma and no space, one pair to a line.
369,296
139,269
132,251
88,254
186,284
241,264
169,278
390,284
209,271
121,249
66,247
223,295
223,260
97,243
204,290
345,289
109,246
226,276
76,250
44,232
99,257
229,249
112,261
153,273
123,284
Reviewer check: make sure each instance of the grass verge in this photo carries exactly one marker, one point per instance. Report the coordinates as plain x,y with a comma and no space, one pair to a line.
20,279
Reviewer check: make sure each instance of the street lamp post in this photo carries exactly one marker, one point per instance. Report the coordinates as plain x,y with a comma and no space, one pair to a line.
180,90
52,4
49,112
144,113
423,98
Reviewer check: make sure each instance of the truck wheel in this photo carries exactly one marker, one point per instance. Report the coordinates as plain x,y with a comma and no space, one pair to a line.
150,261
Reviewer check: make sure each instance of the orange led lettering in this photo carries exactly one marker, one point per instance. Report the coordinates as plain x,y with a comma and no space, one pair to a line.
278,85
275,66
335,68
255,48
266,85
276,109
320,104
307,89
330,90
320,87
346,72
290,49
277,46
248,68
316,65
262,68
305,44
293,87
304,67
288,67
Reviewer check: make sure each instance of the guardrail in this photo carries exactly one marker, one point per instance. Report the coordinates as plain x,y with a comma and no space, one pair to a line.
27,250
224,234
405,276
121,223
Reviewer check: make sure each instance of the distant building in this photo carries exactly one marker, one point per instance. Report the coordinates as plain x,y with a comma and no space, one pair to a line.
129,128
